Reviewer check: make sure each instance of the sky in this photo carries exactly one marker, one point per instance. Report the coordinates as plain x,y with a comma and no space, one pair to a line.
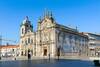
85,14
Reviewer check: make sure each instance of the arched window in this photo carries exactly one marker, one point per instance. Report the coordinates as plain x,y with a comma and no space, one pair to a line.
22,30
28,40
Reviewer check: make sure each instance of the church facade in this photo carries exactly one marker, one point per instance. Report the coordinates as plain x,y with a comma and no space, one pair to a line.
51,39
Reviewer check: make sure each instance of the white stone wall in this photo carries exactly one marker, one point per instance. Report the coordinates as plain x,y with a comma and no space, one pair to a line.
27,42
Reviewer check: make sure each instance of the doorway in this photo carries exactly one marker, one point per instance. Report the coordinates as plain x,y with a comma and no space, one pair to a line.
45,52
22,53
29,54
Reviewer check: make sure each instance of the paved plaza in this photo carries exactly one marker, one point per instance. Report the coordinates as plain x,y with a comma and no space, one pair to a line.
46,63
45,57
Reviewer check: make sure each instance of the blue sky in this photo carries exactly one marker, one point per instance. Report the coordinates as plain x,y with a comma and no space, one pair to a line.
85,14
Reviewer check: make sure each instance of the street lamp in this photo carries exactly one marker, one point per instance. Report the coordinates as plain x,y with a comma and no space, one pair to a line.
49,45
0,45
0,53
49,49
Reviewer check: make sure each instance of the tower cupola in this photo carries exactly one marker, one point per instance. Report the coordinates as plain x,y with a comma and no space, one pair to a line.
26,26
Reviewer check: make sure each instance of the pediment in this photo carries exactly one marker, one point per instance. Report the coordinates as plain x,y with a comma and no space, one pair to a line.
46,23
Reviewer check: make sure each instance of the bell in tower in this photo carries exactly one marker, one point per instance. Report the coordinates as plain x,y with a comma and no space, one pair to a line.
26,26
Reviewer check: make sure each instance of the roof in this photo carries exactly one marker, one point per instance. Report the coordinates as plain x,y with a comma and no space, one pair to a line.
9,46
92,33
71,30
93,36
65,27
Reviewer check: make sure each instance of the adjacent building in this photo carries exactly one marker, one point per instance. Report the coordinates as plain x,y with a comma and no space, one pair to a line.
9,50
93,44
51,39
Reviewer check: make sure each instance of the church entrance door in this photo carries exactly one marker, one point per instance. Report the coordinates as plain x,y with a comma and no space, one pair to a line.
29,54
45,52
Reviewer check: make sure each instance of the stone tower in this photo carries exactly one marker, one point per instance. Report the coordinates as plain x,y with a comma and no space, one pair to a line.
45,37
26,27
27,38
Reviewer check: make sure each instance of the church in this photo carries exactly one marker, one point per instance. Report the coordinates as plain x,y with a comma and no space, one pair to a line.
51,39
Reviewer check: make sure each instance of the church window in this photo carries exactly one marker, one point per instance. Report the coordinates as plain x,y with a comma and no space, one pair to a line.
31,40
22,42
28,40
22,30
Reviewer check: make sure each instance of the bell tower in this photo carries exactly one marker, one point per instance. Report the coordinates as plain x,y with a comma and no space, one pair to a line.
26,27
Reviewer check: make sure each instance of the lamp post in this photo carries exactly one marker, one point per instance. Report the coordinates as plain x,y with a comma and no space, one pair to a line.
0,53
0,45
49,50
49,45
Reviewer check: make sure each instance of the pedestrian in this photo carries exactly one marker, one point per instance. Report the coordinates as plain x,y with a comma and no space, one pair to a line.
29,55
49,56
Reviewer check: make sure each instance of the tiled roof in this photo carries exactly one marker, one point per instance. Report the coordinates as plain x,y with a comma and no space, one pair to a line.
9,46
65,27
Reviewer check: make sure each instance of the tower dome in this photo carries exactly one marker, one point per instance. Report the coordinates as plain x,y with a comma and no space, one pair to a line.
26,20
26,26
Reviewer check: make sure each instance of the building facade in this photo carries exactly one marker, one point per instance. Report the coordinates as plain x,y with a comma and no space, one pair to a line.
93,44
27,37
51,39
9,50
